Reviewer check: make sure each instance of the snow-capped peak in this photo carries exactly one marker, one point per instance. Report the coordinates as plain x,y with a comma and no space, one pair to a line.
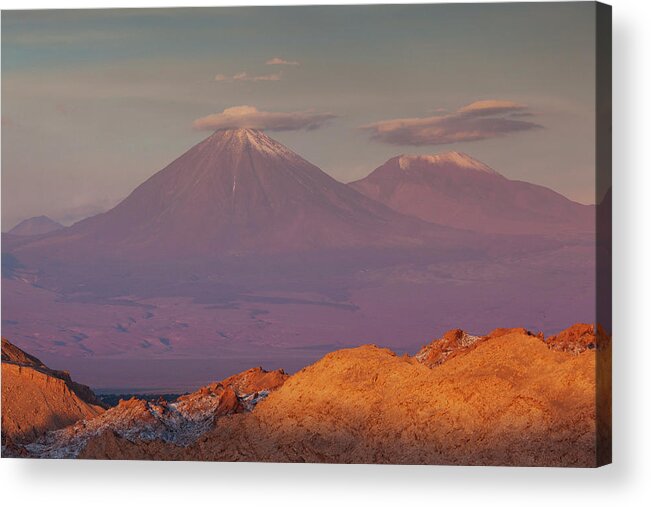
240,139
455,158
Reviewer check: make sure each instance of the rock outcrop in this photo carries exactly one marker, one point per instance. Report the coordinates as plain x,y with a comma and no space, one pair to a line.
451,344
575,339
36,399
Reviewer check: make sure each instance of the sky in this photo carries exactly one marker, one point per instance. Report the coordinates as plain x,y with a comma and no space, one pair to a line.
94,102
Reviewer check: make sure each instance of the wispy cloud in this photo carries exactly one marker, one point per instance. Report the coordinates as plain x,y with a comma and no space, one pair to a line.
251,117
479,120
281,61
244,76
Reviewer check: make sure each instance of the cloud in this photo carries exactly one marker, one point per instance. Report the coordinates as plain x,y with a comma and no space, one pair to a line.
251,117
484,119
281,61
491,108
243,76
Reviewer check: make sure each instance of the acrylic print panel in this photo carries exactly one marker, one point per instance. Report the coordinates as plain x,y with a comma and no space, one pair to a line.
347,234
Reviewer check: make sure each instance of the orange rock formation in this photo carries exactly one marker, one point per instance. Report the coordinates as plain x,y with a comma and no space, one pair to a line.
510,400
36,399
507,398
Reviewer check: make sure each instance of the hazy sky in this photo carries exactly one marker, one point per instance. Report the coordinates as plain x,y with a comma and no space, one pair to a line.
94,102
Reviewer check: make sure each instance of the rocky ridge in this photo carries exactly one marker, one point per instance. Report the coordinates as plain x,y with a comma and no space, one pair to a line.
575,340
179,423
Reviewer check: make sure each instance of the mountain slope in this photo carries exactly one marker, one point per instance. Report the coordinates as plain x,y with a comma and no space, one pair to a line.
455,190
35,226
36,399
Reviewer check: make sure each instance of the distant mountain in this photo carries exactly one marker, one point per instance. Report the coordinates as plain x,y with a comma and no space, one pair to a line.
455,190
36,225
36,399
239,191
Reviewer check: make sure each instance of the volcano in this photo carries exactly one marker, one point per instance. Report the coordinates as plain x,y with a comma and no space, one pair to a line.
236,192
456,190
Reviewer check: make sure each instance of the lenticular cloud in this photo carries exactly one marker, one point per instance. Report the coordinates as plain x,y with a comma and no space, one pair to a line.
253,118
479,120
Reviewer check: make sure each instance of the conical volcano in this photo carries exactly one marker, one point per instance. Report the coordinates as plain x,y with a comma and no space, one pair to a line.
456,190
238,192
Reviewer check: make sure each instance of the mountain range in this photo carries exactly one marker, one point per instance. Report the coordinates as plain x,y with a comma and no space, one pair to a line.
238,192
241,252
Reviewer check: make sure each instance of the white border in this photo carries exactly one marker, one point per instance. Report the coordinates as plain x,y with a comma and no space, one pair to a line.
627,482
